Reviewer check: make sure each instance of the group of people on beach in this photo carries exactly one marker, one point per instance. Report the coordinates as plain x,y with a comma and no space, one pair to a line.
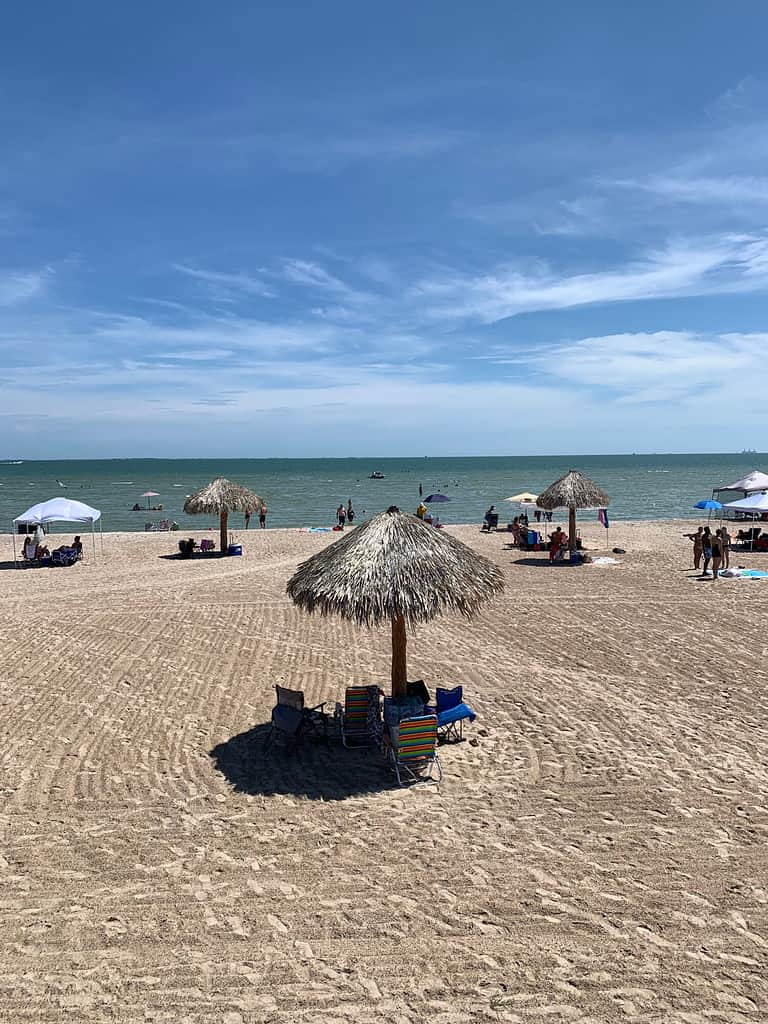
345,515
714,548
35,547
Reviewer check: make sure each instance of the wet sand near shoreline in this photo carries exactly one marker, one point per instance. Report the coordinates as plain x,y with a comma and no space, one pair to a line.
596,851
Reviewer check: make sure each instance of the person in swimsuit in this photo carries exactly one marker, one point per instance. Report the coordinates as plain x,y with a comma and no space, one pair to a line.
717,553
706,549
263,517
697,546
725,539
556,541
341,515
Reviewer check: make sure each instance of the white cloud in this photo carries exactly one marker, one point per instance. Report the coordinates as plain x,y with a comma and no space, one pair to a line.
659,367
226,284
18,286
728,263
730,189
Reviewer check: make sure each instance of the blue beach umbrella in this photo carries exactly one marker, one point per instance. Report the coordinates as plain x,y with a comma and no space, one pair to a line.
709,505
436,498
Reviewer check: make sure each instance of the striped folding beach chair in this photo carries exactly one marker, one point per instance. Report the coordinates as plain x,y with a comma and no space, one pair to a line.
359,717
413,750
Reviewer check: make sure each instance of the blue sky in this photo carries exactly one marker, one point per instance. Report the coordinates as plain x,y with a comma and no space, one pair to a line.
347,229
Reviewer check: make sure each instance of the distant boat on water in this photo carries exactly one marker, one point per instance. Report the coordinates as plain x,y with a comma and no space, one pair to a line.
376,475
13,462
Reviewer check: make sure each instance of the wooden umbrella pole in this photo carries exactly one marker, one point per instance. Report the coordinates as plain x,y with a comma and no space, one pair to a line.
572,528
399,641
223,541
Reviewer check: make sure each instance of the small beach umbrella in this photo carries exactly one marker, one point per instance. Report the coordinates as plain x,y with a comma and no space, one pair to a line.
572,491
523,498
395,568
432,498
150,494
710,505
219,498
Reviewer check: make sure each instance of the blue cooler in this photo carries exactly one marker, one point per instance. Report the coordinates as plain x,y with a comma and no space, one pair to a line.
235,549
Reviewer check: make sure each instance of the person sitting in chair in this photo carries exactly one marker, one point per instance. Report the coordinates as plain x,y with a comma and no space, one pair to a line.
29,549
77,546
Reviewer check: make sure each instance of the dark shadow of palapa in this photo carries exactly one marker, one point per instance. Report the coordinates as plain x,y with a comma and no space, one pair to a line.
315,769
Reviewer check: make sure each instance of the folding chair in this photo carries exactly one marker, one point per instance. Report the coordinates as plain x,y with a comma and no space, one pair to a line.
452,712
359,717
413,750
295,721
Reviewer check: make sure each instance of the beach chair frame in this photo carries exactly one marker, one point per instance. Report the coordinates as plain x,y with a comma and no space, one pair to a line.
412,752
294,720
359,717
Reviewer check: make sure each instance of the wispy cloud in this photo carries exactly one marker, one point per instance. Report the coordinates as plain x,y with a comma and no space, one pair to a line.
656,367
728,190
685,267
18,286
227,284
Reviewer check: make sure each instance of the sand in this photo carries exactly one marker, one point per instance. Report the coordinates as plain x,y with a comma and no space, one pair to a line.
597,852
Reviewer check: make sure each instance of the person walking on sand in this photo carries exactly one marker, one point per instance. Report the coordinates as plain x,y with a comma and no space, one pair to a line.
350,512
263,517
247,518
698,545
706,549
341,515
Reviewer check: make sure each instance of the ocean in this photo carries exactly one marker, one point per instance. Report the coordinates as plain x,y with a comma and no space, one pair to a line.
306,492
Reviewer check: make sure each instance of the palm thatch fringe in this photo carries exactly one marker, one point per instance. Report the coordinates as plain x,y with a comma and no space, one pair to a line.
395,566
222,495
573,490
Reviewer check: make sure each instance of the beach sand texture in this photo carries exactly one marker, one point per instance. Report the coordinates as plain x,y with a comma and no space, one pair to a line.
598,852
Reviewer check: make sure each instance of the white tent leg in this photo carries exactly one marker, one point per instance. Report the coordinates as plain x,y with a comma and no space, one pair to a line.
13,538
93,538
101,534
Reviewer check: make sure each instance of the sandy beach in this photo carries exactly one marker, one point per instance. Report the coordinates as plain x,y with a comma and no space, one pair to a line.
597,850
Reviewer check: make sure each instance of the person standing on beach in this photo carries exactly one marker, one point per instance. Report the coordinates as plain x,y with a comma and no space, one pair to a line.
725,540
341,515
698,545
717,553
706,549
350,512
420,491
247,518
263,517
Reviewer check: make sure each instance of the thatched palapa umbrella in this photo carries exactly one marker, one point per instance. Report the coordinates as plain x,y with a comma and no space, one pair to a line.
572,491
396,568
219,498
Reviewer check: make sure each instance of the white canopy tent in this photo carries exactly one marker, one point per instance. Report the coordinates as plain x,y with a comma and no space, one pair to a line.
59,510
754,481
754,503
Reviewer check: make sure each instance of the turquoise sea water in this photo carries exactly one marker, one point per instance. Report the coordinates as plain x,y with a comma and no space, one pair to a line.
306,492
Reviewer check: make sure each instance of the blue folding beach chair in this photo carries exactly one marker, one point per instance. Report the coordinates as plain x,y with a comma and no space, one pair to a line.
452,713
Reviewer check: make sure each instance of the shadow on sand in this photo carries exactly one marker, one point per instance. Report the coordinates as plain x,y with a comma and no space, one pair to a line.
539,560
315,769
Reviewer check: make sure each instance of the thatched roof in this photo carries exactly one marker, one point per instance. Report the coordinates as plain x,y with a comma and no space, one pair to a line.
574,490
222,495
395,564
